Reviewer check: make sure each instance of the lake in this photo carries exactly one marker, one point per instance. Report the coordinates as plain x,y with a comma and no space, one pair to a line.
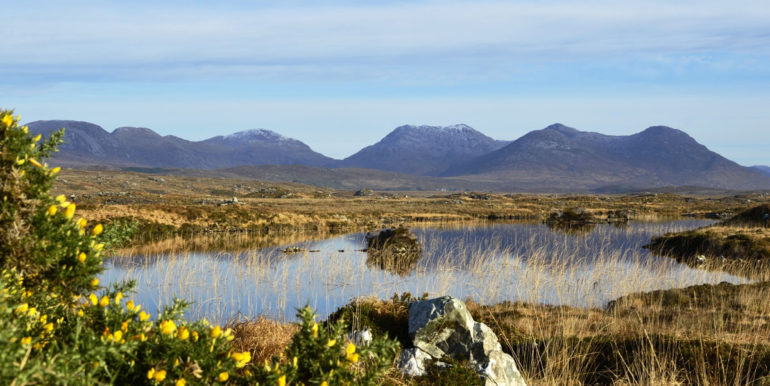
489,263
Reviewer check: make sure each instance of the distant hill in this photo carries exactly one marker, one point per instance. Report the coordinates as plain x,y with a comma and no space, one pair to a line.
762,169
87,144
423,150
656,157
555,159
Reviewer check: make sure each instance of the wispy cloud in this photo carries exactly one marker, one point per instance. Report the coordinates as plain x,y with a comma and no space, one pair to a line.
331,69
142,40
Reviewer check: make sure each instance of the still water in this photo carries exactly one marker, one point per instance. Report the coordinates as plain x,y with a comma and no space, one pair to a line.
493,263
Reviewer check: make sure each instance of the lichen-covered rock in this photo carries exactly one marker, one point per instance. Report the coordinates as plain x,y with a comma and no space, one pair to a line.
443,328
412,361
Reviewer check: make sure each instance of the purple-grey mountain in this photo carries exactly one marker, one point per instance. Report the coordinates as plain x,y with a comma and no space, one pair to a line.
762,169
557,158
89,144
423,150
562,156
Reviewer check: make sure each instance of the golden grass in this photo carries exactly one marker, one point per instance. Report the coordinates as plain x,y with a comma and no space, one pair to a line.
264,338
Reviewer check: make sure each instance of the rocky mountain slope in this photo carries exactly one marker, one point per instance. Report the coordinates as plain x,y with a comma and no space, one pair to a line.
423,150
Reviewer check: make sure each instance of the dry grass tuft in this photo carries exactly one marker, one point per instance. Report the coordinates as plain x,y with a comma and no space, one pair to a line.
264,338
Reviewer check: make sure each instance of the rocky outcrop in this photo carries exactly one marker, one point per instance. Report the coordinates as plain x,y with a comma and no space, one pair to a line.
443,329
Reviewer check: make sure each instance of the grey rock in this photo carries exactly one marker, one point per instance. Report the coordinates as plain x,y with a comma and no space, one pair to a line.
443,328
360,337
499,369
411,361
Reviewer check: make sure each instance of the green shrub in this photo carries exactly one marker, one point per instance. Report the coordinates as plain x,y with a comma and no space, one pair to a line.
59,326
321,356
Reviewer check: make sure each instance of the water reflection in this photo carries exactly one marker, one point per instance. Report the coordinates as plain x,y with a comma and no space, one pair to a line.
394,250
580,230
527,262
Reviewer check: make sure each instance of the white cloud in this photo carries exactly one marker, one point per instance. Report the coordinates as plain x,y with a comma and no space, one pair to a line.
145,39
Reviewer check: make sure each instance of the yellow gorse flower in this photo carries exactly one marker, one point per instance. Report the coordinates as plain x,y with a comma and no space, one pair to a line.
282,380
183,333
70,211
118,297
324,383
160,375
60,198
26,340
195,336
95,283
98,229
180,382
241,358
22,309
150,373
82,257
143,316
216,331
8,120
223,376
34,162
104,302
314,329
94,300
56,170
48,327
331,343
350,353
82,223
130,305
37,138
167,327
51,210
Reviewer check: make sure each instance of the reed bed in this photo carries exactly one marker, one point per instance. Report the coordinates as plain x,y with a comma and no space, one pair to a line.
568,307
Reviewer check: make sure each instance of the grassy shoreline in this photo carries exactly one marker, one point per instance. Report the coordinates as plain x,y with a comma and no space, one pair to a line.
707,334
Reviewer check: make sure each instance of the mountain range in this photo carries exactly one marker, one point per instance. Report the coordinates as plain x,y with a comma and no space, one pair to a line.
556,158
89,144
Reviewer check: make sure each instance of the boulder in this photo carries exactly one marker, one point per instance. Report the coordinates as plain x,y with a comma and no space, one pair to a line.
443,329
412,362
365,192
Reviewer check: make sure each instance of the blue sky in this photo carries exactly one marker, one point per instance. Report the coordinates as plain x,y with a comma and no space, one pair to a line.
339,75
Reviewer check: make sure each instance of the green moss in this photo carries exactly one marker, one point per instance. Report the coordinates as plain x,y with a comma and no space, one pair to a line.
453,373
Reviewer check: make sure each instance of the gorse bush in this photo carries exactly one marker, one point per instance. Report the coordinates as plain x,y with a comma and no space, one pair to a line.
59,326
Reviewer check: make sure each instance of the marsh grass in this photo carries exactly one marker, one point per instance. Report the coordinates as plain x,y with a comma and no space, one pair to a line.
545,294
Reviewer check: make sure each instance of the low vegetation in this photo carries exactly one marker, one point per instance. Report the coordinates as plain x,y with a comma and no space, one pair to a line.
58,325
192,206
739,244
